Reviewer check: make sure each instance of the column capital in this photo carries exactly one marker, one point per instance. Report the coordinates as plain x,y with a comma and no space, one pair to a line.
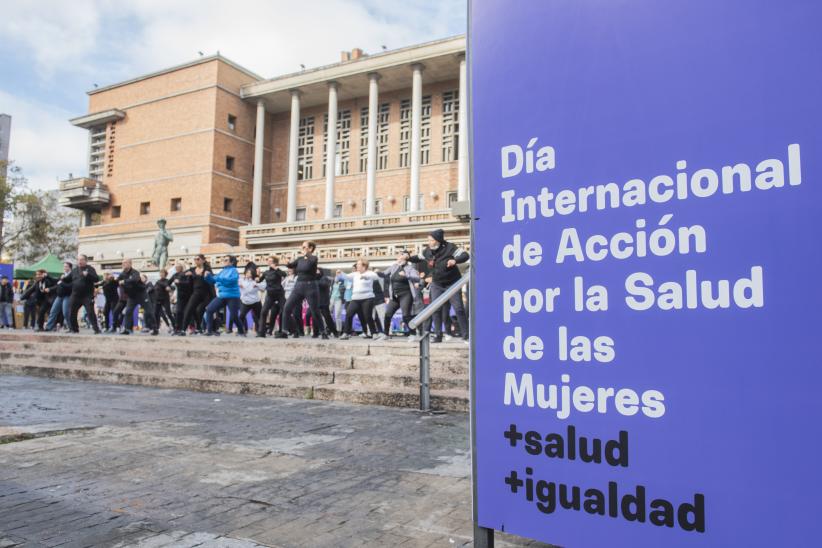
418,66
296,92
374,76
261,103
333,84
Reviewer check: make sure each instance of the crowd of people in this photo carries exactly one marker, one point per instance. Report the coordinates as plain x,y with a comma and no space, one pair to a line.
301,299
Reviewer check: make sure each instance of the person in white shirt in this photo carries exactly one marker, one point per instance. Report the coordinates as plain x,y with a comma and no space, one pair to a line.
362,299
250,297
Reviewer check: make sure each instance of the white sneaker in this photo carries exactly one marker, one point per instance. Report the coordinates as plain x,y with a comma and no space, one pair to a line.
447,338
344,337
413,339
381,337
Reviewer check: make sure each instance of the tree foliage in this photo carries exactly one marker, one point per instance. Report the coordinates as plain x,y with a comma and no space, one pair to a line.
33,223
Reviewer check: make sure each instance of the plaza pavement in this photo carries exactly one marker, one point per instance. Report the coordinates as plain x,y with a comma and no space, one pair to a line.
88,464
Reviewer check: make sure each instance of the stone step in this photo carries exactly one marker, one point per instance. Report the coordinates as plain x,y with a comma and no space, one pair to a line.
354,347
142,364
187,355
370,372
270,357
189,382
446,400
451,400
409,364
390,378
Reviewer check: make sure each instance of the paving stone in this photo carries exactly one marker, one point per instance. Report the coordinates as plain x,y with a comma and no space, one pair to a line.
177,468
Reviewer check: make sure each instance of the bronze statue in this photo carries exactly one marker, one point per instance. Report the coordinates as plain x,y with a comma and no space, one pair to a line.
160,252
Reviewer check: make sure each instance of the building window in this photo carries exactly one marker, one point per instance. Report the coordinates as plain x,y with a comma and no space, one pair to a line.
232,122
406,203
425,131
97,152
451,199
363,139
300,214
405,131
377,207
450,125
115,212
305,150
228,203
145,208
382,136
338,209
176,204
343,155
229,163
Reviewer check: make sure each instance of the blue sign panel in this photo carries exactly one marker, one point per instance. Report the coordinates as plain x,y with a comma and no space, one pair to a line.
648,213
7,270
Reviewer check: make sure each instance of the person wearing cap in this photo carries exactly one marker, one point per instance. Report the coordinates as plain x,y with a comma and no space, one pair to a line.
228,294
442,258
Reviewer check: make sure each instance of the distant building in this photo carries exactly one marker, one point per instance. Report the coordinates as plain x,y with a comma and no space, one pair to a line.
237,163
5,136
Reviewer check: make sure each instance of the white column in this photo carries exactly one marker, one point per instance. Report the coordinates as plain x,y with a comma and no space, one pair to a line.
291,207
416,114
259,138
331,150
462,143
371,165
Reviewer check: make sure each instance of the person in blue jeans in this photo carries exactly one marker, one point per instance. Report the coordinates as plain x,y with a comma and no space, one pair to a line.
6,303
228,294
61,302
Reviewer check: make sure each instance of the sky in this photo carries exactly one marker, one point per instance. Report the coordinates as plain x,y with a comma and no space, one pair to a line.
54,51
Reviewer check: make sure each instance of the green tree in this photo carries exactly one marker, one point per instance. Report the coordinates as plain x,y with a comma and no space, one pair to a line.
33,224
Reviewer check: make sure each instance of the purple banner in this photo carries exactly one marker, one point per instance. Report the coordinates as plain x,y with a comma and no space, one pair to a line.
648,202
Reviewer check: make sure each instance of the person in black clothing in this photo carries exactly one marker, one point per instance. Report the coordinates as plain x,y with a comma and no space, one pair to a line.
442,258
399,278
162,296
379,305
117,315
201,295
135,290
305,288
274,299
62,295
110,286
324,285
29,305
182,284
83,280
6,303
42,297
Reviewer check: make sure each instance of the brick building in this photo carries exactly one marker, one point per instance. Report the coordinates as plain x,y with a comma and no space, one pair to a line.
239,164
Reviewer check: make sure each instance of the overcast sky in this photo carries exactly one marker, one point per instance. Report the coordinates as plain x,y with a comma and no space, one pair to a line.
54,51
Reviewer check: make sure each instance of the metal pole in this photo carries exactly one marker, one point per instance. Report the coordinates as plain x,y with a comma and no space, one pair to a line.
425,372
483,537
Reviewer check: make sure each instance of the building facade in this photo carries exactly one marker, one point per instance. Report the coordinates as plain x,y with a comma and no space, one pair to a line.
365,156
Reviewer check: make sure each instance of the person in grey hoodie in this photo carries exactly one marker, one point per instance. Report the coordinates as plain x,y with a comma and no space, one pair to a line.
400,290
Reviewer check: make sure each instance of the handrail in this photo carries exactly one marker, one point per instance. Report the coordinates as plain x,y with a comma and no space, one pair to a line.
437,303
425,341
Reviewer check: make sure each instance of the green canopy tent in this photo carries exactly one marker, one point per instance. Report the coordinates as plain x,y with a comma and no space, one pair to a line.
51,263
